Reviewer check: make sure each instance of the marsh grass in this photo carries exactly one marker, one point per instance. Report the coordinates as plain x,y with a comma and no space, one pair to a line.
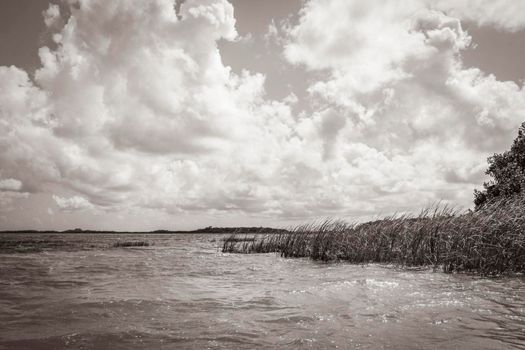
489,241
235,239
131,244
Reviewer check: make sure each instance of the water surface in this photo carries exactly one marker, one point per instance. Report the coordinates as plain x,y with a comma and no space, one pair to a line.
183,293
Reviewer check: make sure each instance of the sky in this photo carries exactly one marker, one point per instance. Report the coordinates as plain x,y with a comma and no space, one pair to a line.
163,114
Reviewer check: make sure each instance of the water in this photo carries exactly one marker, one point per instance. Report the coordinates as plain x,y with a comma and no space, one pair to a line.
182,293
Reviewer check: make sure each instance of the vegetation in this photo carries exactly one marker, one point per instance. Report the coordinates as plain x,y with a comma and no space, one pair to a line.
234,238
488,241
131,244
221,230
507,171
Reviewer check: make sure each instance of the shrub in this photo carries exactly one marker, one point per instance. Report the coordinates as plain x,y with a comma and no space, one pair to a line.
507,171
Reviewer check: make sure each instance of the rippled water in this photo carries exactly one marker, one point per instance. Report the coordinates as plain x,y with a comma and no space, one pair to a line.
182,293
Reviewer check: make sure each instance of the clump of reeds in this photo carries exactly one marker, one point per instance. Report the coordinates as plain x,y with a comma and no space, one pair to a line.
255,242
131,244
489,241
234,238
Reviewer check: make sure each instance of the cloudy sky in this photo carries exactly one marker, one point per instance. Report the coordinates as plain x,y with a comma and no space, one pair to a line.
140,115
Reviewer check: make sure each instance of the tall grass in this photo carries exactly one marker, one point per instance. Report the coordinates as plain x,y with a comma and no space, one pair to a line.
125,244
489,241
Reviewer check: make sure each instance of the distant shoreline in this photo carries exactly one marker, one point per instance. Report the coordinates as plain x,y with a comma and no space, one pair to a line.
209,230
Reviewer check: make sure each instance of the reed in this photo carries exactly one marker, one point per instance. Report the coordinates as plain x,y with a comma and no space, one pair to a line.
131,244
489,241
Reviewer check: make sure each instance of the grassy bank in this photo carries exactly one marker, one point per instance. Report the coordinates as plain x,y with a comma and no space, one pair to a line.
489,241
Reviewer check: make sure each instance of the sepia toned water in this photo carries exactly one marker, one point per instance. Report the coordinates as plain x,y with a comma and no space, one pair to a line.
183,293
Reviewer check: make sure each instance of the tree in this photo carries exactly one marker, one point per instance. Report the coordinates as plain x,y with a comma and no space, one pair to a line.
507,171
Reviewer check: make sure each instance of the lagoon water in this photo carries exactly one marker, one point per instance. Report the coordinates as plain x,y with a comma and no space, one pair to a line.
183,293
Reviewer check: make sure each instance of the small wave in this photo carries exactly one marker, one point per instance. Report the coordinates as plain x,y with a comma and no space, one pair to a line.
291,319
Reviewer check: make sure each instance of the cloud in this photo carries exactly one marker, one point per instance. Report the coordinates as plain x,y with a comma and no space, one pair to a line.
75,203
503,14
10,190
52,15
415,122
273,34
134,109
7,201
10,185
148,79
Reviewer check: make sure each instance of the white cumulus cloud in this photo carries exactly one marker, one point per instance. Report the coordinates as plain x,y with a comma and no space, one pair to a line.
10,185
75,203
503,14
135,109
412,123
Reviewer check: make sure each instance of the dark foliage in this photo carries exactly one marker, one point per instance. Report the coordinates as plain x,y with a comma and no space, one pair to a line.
507,171
130,244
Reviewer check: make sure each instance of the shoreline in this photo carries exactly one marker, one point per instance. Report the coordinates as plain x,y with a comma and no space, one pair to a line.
207,230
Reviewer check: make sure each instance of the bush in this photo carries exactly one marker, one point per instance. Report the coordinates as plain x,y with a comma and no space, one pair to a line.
507,171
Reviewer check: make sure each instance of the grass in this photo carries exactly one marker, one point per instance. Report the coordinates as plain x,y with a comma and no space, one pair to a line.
234,238
131,244
490,241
